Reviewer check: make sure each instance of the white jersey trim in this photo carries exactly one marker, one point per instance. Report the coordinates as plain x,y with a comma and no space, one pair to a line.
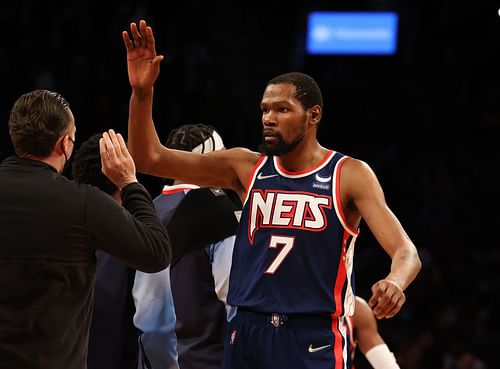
336,199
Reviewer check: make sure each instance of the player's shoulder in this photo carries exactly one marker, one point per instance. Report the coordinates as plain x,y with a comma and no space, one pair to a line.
356,167
240,154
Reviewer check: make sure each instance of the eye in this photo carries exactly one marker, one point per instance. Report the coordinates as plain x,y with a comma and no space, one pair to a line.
283,110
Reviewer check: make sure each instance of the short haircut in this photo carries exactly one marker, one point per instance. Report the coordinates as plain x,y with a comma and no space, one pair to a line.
189,136
307,90
86,166
201,138
36,122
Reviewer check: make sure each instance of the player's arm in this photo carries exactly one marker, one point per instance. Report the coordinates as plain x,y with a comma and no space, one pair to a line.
227,168
368,338
367,335
362,191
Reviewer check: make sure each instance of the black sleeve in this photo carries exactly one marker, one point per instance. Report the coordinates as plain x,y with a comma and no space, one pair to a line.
205,215
133,232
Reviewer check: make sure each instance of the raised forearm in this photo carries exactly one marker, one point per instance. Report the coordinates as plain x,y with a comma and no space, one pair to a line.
143,142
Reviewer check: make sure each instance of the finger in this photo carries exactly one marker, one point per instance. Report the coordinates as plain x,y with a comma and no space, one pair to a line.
376,293
104,155
128,43
150,39
394,310
135,34
108,145
142,27
391,302
122,145
114,141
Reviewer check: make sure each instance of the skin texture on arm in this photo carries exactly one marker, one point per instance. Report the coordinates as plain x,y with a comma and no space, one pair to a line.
368,338
226,169
367,335
362,196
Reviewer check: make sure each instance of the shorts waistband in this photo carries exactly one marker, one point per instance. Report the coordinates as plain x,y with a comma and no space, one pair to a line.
289,320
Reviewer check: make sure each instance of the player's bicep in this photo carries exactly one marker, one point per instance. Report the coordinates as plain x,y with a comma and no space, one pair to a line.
369,199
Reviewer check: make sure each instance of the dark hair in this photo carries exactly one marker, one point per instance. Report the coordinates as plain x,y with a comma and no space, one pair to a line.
188,136
307,90
86,166
36,122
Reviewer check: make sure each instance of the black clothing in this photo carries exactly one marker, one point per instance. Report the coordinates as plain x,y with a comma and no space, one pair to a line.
207,210
113,337
201,320
49,230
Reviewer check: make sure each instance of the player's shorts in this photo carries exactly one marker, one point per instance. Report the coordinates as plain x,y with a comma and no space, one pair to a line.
279,341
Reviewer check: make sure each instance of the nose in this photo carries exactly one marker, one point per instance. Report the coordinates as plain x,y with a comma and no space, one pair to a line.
268,119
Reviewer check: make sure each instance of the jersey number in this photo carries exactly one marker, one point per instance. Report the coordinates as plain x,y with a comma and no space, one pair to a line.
287,243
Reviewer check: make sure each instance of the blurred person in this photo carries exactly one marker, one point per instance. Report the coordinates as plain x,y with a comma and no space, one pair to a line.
50,228
202,223
362,332
291,276
113,336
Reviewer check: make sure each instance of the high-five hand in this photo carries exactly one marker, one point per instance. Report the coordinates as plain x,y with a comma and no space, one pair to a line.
117,164
143,63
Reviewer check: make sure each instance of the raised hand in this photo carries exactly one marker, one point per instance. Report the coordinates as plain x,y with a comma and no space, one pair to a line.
117,164
142,62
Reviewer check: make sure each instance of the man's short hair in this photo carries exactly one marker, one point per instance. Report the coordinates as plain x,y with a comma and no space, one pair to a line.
37,120
199,138
307,90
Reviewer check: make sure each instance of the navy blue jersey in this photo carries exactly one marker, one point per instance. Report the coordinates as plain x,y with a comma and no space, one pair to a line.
294,250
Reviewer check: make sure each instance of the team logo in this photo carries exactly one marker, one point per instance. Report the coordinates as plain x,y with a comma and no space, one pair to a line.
293,210
323,183
322,179
312,349
261,176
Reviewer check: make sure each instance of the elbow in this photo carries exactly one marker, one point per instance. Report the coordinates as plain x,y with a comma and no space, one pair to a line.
158,260
145,162
418,263
154,265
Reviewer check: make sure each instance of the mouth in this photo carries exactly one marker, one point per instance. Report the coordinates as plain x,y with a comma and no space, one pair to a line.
270,136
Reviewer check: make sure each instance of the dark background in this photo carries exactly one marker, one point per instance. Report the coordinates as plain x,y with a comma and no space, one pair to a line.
425,119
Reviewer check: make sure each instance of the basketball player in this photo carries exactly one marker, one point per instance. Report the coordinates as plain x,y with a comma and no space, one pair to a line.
202,223
291,276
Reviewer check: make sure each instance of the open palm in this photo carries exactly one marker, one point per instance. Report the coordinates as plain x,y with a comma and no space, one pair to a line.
142,62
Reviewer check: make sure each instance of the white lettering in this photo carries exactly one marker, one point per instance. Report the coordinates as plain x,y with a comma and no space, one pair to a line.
272,209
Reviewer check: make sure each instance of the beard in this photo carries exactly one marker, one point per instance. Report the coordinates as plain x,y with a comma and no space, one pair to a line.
280,146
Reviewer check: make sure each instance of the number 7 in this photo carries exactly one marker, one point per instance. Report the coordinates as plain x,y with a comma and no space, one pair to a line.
287,243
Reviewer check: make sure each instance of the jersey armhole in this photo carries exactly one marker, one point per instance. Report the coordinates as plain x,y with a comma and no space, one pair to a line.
336,198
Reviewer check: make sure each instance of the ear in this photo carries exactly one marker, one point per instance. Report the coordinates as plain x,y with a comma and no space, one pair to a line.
59,146
63,145
315,113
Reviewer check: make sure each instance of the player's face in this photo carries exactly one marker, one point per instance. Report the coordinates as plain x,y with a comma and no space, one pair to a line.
283,118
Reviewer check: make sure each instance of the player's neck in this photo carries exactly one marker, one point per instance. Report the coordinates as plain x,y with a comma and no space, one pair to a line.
303,158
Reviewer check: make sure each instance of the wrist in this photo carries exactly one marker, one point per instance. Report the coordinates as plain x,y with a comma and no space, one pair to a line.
396,282
380,357
124,184
142,93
